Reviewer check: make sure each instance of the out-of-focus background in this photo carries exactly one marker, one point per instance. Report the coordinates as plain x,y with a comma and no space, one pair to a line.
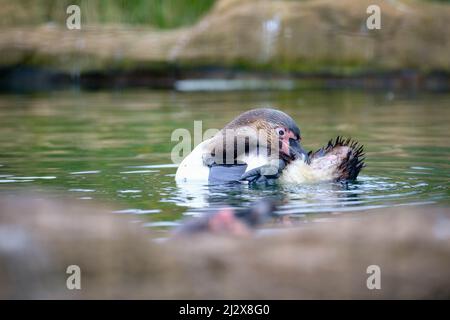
87,116
154,43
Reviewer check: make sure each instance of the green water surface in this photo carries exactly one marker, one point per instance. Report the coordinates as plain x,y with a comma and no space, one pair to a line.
115,147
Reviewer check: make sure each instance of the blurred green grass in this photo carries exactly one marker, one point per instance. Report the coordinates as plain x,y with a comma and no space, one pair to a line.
164,14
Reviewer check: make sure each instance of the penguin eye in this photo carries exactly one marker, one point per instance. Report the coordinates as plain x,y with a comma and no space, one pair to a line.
280,132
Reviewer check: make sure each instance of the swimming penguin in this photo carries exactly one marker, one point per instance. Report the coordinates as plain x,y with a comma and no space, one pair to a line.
260,142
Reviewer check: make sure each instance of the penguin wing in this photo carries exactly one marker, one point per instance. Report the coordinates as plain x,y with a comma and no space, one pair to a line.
194,169
225,173
220,174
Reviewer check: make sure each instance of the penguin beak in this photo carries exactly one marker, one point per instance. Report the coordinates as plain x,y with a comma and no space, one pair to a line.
296,150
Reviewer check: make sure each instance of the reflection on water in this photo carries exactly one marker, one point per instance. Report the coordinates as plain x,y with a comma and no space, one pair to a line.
115,146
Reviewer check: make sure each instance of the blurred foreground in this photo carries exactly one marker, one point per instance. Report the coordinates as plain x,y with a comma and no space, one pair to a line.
40,238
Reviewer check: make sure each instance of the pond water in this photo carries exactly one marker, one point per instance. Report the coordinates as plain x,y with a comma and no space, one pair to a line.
115,147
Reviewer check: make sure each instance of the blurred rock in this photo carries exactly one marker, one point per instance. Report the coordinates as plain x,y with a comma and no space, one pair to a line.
39,238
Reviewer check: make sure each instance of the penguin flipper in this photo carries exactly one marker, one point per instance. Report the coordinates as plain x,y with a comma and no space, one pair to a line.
226,173
266,174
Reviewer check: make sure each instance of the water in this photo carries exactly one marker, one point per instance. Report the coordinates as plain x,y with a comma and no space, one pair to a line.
115,147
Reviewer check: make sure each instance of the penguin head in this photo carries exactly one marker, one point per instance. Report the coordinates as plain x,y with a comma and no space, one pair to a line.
278,126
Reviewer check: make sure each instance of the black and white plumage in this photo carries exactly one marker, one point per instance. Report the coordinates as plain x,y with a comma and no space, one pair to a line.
268,139
287,163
